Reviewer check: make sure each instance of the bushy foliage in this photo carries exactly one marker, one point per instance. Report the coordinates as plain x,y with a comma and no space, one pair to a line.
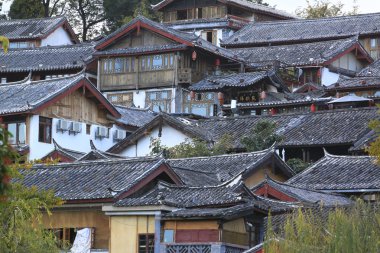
194,148
351,230
23,9
374,148
324,8
298,165
262,136
21,208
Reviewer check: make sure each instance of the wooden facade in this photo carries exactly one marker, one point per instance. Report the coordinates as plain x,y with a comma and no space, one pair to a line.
161,68
77,106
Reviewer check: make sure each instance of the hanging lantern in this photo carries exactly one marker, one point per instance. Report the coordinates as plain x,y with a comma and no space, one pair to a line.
221,98
313,108
194,55
192,95
273,111
217,62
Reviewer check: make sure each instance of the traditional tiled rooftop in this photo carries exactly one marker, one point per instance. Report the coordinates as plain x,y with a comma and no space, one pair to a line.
346,174
26,96
46,58
304,195
371,70
214,170
358,82
132,116
18,29
241,3
312,53
186,197
91,179
240,80
292,31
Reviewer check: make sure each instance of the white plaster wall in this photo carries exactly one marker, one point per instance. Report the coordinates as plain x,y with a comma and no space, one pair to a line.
170,137
139,97
328,77
57,38
6,7
79,142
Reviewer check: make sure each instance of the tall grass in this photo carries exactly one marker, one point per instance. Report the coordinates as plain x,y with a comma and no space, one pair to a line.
349,230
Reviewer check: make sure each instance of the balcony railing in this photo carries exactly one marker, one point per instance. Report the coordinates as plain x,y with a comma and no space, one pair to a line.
201,248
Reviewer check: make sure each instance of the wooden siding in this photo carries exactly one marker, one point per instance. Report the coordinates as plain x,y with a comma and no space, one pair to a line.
76,107
183,225
235,232
197,235
259,176
82,219
143,38
125,231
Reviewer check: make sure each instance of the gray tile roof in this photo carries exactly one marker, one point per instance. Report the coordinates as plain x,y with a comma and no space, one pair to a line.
91,179
243,4
358,82
191,38
305,195
291,31
364,142
186,196
22,29
140,50
371,70
135,117
313,53
322,128
72,57
26,96
346,174
72,154
214,170
232,80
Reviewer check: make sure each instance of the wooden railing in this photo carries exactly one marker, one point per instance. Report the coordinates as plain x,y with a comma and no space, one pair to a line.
201,248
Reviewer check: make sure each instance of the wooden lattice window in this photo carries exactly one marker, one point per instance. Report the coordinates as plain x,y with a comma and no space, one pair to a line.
44,130
159,99
125,99
146,243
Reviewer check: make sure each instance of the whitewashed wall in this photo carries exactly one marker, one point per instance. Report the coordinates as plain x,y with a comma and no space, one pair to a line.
79,142
57,38
348,61
139,97
328,77
170,137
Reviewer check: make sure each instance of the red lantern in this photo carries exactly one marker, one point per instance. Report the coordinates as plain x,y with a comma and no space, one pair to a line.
217,62
273,111
319,73
194,55
313,108
192,95
221,98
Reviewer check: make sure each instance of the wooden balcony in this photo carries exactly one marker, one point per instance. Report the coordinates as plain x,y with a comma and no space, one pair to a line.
188,75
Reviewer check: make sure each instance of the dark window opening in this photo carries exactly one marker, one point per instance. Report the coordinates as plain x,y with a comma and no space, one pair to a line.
146,243
209,37
199,12
45,130
88,129
182,15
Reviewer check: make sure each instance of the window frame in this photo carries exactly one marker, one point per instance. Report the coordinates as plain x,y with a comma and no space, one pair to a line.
147,247
46,124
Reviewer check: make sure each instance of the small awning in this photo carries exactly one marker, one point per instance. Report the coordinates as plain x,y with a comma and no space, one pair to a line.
350,98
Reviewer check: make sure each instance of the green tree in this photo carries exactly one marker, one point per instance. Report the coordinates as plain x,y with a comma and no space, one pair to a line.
21,208
374,147
297,164
194,148
324,8
24,9
259,2
262,136
86,16
351,230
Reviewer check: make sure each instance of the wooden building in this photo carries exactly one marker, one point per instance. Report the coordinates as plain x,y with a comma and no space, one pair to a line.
215,20
69,110
147,64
